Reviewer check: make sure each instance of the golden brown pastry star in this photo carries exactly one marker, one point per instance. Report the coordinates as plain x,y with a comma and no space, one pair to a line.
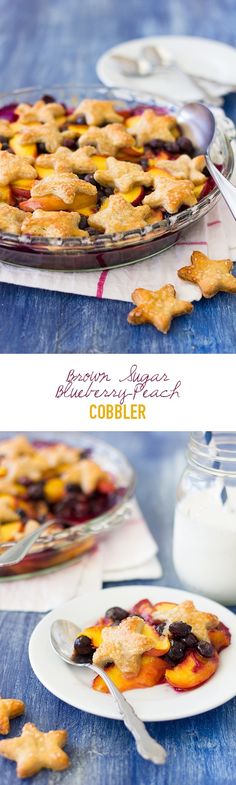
185,168
158,307
65,160
34,750
200,621
123,645
171,194
108,140
122,175
65,185
97,112
119,216
9,708
14,167
153,126
211,275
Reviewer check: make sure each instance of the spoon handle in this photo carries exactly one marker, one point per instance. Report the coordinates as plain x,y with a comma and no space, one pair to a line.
17,552
147,747
227,189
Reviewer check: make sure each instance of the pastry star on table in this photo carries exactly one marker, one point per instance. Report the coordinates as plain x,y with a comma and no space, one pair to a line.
211,275
171,194
9,708
97,112
65,160
122,175
123,645
108,140
34,750
119,216
153,126
14,167
185,168
158,307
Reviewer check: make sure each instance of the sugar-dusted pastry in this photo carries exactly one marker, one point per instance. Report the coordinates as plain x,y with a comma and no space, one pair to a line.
97,112
65,160
158,307
200,622
6,128
65,185
119,216
153,126
14,167
40,112
171,194
35,750
45,133
122,175
86,473
185,168
212,275
9,708
56,223
11,218
124,645
108,140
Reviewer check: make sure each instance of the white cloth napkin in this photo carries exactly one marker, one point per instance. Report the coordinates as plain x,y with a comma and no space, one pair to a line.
129,552
215,235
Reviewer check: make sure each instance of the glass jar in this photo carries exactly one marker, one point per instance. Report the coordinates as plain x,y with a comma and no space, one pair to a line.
204,541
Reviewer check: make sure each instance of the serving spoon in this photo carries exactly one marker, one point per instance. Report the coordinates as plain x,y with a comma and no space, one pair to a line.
17,552
198,123
62,636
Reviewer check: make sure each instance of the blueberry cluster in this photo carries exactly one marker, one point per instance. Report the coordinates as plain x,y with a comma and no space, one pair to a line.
183,640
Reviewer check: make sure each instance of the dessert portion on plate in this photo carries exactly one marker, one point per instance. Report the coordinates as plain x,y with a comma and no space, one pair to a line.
96,169
152,644
42,481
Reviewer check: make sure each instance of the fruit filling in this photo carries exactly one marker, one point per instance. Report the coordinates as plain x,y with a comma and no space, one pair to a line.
41,481
152,644
112,169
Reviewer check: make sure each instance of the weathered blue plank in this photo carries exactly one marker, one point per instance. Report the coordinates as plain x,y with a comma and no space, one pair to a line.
52,42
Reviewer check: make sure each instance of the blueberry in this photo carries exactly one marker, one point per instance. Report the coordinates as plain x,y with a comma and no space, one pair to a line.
48,99
116,614
185,145
80,120
177,651
73,486
83,649
108,191
144,163
83,224
90,179
156,144
179,629
205,649
190,641
41,148
172,147
22,514
70,143
35,491
160,627
92,231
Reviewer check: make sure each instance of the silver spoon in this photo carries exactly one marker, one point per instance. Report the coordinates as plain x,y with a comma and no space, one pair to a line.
62,635
17,552
198,123
156,58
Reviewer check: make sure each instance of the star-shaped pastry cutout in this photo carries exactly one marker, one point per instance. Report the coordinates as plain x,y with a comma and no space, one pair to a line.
39,112
97,112
122,175
211,275
124,645
50,223
108,140
119,216
9,708
185,168
200,621
6,129
34,750
46,133
171,194
158,307
153,126
11,218
86,473
15,167
65,185
65,160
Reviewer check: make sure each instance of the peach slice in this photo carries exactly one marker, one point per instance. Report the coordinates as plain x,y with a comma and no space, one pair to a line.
19,148
81,202
143,608
135,195
76,129
220,637
155,171
198,190
8,530
152,672
192,671
44,171
161,156
6,194
163,607
155,216
21,188
100,161
129,153
159,644
95,633
132,121
54,489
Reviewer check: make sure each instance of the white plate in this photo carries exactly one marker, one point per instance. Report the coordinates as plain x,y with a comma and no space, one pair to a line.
200,56
73,685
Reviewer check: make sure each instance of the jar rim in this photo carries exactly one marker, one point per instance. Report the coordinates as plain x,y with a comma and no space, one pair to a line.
213,452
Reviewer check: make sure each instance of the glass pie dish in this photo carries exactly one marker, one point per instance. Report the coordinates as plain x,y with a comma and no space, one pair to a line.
71,538
105,251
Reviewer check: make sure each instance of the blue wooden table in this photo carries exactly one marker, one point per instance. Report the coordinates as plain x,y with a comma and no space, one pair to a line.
51,42
202,750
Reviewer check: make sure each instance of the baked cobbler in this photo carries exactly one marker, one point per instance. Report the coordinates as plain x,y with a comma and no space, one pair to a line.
42,481
96,169
152,644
